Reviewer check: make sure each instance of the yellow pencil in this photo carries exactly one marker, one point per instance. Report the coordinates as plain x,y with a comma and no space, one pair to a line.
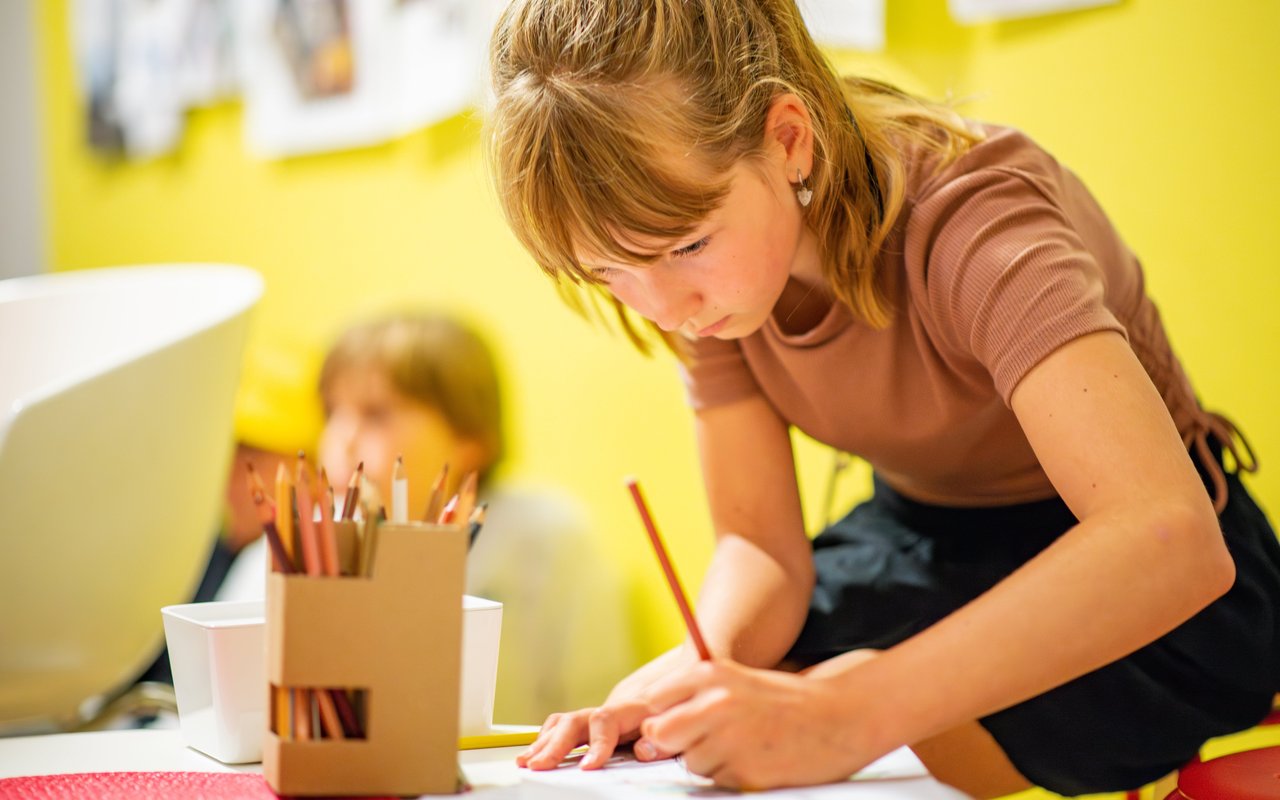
284,698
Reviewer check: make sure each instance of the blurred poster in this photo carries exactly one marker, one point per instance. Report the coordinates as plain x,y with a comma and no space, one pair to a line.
143,63
845,23
971,11
315,77
333,74
314,39
443,47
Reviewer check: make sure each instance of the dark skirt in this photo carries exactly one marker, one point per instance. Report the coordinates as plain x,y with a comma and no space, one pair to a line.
894,566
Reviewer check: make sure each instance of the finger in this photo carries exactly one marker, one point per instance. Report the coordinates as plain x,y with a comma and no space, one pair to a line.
544,734
679,727
646,750
707,756
605,726
680,685
569,732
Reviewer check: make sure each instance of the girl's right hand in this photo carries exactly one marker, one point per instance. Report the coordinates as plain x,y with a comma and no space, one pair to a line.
602,728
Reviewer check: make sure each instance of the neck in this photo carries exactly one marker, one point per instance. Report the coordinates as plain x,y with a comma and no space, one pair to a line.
804,300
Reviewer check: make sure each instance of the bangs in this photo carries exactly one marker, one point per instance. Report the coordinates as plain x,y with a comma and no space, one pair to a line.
604,170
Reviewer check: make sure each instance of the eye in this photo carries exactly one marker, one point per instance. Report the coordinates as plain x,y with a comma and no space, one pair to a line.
376,414
604,274
691,249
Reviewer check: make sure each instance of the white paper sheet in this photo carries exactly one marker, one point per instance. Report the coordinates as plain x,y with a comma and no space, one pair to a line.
897,776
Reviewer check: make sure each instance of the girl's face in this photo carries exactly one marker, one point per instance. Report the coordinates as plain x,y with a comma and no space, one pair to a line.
726,278
367,419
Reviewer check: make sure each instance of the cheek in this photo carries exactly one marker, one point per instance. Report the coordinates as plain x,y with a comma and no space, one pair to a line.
332,451
627,293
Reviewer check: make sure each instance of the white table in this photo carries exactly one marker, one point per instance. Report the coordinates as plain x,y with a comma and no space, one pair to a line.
492,772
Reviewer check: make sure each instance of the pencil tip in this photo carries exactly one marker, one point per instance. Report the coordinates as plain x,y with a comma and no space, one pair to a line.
629,480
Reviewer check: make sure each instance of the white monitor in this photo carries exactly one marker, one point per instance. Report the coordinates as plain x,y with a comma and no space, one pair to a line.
116,395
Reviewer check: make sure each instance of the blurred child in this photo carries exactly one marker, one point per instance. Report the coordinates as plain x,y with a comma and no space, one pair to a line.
425,387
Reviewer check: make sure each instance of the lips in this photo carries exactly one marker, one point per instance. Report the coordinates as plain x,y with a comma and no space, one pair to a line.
714,328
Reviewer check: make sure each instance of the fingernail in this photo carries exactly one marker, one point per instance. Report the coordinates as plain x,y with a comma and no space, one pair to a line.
645,750
590,759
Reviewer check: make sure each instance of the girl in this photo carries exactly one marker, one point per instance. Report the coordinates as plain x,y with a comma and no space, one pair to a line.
1056,582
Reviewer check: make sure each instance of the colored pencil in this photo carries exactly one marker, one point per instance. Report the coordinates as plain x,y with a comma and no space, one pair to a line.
477,522
467,498
436,501
674,582
399,493
284,513
255,483
266,515
450,511
328,537
308,536
352,496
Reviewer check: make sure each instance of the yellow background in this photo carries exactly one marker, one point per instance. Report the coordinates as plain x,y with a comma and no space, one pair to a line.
1168,109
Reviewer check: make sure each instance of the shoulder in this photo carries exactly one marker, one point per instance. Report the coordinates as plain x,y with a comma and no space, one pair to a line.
997,199
1003,151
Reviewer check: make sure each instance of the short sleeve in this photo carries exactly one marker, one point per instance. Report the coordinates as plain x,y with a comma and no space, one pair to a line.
1005,276
715,373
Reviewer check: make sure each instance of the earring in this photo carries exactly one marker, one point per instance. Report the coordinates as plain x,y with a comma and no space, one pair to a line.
804,194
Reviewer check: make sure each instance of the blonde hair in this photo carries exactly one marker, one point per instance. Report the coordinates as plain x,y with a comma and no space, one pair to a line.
433,360
593,99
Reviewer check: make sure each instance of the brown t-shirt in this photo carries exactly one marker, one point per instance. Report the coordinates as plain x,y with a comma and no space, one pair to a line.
995,261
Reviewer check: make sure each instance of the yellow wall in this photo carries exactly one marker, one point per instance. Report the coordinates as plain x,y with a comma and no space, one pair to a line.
1168,109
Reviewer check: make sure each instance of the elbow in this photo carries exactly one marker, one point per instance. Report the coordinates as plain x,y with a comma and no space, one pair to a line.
1210,571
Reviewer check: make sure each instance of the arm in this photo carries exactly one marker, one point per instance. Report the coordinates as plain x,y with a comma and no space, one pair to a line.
756,592
1106,441
1104,436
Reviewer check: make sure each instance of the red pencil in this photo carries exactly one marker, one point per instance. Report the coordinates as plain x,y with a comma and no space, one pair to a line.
661,551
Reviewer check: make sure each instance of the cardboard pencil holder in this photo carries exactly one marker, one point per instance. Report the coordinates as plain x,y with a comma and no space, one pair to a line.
393,641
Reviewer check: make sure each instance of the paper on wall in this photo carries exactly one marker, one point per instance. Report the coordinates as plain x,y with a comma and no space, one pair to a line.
971,11
845,23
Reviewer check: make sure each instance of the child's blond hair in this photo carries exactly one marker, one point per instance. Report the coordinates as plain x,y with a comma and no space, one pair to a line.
614,120
431,359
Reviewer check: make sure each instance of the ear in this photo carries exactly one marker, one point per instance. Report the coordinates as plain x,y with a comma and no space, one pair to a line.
788,135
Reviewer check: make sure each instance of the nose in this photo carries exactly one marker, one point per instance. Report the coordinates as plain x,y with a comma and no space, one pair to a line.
338,448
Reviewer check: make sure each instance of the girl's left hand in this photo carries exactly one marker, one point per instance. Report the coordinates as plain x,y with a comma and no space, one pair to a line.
757,729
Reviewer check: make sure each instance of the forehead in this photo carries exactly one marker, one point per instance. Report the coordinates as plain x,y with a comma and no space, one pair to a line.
642,244
360,383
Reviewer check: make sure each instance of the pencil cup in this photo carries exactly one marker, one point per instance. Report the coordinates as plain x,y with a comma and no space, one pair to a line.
385,642
216,653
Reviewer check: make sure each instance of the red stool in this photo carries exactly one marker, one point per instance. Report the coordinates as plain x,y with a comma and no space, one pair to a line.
1250,775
